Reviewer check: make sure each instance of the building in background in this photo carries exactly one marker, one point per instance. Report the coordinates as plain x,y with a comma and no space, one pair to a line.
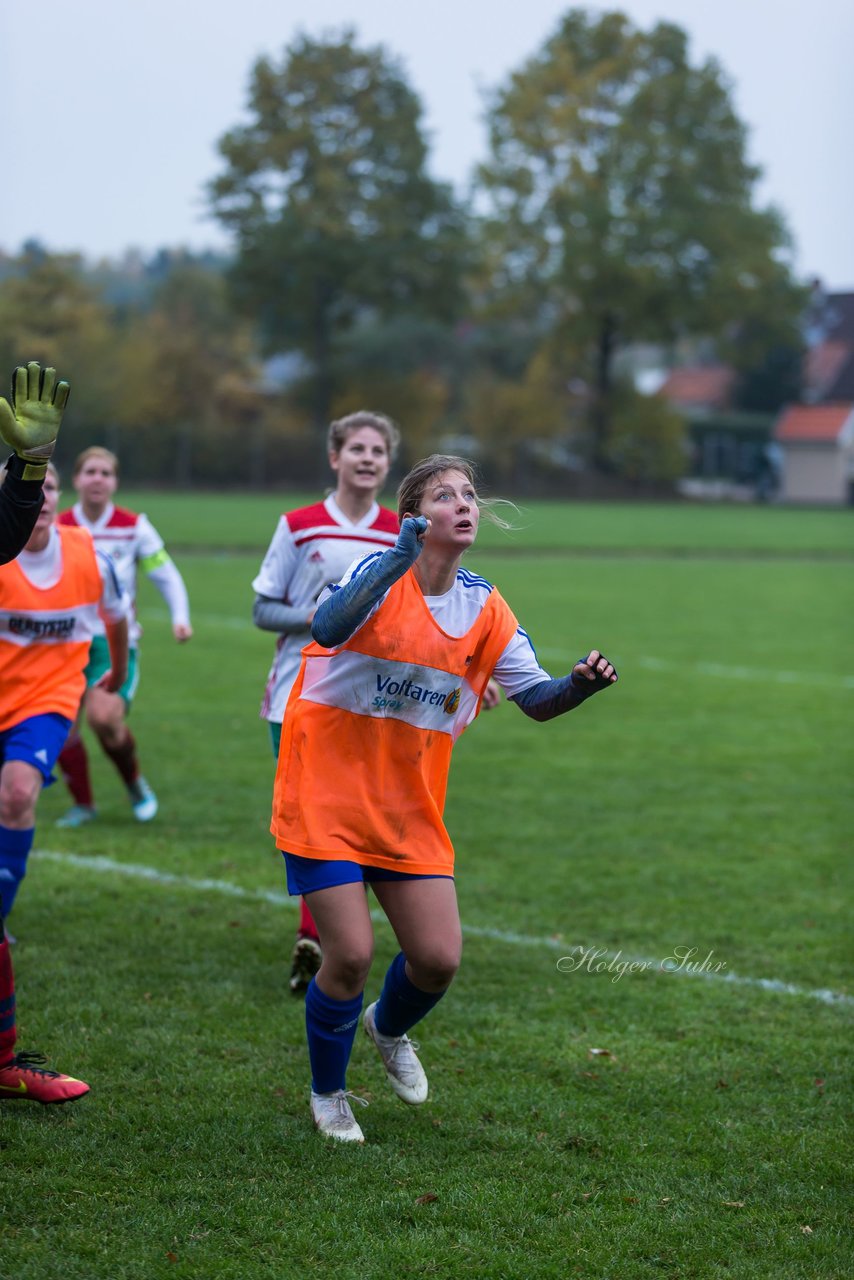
816,437
817,446
728,448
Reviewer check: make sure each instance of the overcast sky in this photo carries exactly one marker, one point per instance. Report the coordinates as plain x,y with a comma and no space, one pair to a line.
111,111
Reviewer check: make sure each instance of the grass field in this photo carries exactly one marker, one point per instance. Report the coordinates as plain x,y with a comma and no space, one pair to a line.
705,803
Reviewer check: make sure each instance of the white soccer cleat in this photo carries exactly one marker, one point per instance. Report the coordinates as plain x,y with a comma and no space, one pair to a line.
143,799
77,816
403,1071
333,1115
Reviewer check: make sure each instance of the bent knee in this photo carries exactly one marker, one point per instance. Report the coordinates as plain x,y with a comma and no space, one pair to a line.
17,803
435,970
105,712
103,721
349,967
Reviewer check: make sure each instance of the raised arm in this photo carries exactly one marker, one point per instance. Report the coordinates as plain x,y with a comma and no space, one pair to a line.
343,612
31,418
20,504
29,425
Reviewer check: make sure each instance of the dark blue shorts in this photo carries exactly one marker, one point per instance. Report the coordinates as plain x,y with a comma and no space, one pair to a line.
306,875
38,741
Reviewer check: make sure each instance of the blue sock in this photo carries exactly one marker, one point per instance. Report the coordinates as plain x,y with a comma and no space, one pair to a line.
330,1026
14,849
401,1003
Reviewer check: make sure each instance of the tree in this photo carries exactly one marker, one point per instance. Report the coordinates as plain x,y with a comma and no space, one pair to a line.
619,200
183,368
51,312
334,214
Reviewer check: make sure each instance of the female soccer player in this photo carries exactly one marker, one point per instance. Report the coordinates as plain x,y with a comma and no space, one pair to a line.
131,540
404,647
312,547
52,598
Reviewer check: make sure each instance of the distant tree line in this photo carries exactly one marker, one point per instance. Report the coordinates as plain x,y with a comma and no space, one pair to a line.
616,206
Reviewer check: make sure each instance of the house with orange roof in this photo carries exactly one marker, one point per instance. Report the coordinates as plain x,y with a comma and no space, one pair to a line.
815,439
817,446
727,448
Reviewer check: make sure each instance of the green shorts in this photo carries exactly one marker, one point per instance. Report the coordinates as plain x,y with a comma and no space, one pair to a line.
99,664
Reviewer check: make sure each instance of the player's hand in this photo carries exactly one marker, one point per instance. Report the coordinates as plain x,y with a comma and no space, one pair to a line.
182,631
491,695
30,424
109,682
411,537
593,673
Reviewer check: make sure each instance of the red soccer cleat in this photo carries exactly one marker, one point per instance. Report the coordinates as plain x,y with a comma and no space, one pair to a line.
305,962
26,1080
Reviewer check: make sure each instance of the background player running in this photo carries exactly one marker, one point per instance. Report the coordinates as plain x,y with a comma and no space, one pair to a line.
313,546
132,542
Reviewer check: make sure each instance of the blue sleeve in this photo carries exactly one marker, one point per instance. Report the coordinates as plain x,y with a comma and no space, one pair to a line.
339,616
552,698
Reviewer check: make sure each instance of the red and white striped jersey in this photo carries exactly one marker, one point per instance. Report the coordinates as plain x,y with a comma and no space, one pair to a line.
131,540
312,547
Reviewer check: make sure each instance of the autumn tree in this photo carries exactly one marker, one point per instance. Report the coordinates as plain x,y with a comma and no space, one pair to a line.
334,215
51,311
618,199
185,364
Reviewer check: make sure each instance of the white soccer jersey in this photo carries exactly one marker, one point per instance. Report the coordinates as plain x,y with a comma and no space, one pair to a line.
130,539
311,548
456,612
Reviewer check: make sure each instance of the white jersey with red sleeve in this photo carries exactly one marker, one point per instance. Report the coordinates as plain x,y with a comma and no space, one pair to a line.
130,540
312,547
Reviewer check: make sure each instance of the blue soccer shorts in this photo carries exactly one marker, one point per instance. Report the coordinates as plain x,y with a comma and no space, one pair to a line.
307,875
37,741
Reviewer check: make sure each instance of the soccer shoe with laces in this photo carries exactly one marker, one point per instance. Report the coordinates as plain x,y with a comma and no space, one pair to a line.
143,799
403,1071
77,816
333,1115
305,962
25,1079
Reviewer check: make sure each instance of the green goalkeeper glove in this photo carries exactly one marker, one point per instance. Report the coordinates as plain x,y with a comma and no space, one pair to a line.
30,424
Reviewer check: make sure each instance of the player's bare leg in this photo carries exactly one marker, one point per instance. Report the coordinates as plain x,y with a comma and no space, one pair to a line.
426,922
105,713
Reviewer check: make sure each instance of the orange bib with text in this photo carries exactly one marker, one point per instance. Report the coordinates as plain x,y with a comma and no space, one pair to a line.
45,633
368,733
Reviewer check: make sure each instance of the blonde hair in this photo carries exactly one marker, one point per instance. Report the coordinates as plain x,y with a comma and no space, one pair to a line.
341,428
414,483
94,451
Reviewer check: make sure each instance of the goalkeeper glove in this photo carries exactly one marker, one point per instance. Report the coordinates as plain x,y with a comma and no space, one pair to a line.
30,424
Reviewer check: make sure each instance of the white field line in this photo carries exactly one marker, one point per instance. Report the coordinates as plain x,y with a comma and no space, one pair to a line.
715,670
108,866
